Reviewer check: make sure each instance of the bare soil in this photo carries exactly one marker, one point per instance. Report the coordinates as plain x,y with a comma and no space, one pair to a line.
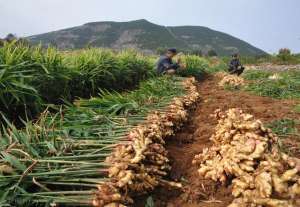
195,135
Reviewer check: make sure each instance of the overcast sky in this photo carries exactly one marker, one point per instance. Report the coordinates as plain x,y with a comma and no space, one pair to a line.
267,24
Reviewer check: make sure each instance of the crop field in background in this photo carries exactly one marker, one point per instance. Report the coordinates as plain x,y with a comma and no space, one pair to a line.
281,85
31,78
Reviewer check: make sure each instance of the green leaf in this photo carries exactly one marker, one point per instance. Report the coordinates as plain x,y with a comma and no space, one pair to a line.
13,161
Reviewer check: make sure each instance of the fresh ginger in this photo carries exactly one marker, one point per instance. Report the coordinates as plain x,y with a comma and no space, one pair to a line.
248,154
231,80
138,167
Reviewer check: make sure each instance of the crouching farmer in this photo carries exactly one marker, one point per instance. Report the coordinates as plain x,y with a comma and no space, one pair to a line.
235,66
165,64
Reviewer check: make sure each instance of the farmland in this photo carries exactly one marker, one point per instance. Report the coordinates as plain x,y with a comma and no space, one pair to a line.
96,127
65,145
277,112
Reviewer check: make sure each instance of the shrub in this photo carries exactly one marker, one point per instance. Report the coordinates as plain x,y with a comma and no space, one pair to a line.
161,50
212,53
256,74
216,65
284,51
195,66
286,57
197,52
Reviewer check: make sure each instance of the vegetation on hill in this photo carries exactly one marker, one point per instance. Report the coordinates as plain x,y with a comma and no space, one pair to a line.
145,36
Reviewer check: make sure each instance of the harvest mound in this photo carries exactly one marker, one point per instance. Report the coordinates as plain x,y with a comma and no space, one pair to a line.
247,154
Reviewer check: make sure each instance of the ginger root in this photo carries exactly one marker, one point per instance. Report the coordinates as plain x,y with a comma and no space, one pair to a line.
248,154
139,166
231,80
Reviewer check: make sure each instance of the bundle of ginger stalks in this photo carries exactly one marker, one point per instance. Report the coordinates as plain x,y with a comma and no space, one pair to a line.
248,154
230,80
140,165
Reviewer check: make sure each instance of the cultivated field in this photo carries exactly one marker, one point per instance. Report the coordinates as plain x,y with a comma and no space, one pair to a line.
275,107
97,127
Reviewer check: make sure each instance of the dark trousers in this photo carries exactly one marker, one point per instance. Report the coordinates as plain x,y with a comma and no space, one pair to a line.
237,71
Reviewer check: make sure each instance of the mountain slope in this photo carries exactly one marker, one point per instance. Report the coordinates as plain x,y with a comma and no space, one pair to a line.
146,36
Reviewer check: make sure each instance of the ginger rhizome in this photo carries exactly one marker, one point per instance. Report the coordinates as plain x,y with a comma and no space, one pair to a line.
247,154
140,165
230,80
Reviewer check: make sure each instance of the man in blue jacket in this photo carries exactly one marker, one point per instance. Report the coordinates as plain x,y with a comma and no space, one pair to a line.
165,64
235,66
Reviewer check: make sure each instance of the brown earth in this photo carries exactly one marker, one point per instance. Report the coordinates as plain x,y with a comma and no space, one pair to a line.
195,136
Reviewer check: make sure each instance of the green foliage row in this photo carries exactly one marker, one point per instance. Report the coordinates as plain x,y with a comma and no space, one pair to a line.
282,58
60,158
197,52
285,85
195,66
256,74
31,77
251,60
286,57
284,127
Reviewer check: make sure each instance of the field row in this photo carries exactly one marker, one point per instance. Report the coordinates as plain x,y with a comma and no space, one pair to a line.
32,77
60,158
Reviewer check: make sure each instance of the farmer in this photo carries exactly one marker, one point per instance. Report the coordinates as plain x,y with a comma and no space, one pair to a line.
165,64
235,66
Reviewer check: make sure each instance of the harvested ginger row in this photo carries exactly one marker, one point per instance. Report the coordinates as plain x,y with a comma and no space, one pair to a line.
140,166
230,80
247,154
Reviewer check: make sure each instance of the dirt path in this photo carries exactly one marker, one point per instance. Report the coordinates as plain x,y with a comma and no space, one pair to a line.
195,136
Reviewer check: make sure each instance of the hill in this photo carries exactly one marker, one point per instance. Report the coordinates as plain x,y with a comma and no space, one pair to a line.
145,36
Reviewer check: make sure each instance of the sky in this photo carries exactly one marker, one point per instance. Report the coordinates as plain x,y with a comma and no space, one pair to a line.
267,24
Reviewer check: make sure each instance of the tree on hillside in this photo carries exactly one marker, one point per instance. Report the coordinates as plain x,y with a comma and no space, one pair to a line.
161,50
212,53
285,56
10,37
197,52
284,51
